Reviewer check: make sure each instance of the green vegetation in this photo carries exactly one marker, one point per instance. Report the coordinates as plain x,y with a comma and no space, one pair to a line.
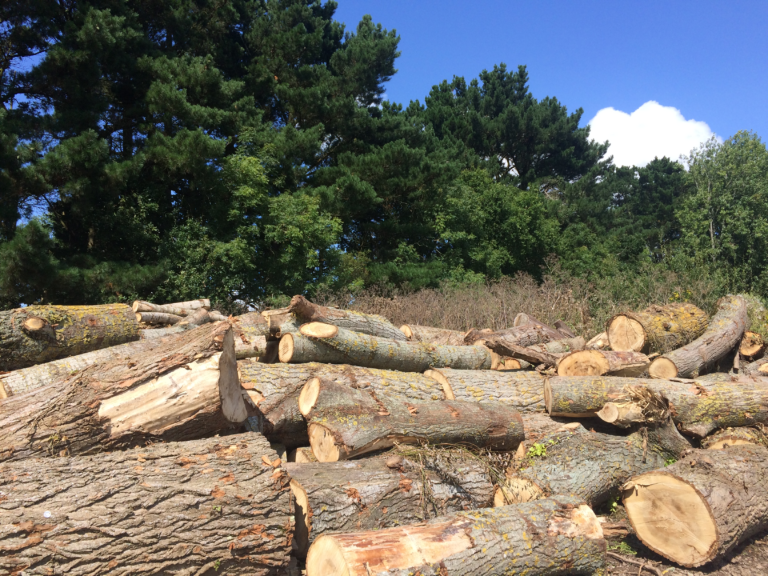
242,151
623,548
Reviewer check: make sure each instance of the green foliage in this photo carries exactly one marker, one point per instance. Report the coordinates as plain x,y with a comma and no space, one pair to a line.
623,548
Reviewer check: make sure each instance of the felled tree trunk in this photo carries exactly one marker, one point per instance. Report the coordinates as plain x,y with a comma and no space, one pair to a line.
721,336
318,342
563,346
430,335
159,318
657,328
719,500
590,465
756,368
371,324
521,390
752,345
599,362
344,423
251,332
527,354
525,335
379,493
184,508
723,439
142,306
274,390
37,334
184,389
550,537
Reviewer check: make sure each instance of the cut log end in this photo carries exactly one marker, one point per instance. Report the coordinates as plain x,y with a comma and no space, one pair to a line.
301,510
405,329
583,363
323,445
626,334
285,350
516,491
751,344
662,368
308,396
671,518
443,381
319,330
34,324
326,558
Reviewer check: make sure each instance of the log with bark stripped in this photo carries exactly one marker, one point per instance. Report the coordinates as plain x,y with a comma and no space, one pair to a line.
382,492
549,537
344,422
179,508
185,389
142,306
701,507
723,439
37,334
158,318
657,328
599,362
317,342
430,335
722,335
525,335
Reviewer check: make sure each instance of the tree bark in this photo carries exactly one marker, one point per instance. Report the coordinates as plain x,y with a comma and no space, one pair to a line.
525,335
157,318
344,423
698,408
185,389
723,439
178,508
531,355
378,493
141,306
657,328
523,391
318,342
251,332
549,537
700,508
429,335
151,333
599,362
721,336
39,334
371,324
563,346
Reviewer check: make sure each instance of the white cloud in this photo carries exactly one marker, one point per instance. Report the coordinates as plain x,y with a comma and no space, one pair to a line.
650,131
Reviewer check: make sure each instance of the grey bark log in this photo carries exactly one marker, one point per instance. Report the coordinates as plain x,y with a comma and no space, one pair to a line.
524,335
371,324
157,318
429,335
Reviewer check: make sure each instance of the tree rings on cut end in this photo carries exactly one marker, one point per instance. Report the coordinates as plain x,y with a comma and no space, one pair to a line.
583,363
662,368
285,349
319,330
323,445
625,334
751,344
671,517
308,396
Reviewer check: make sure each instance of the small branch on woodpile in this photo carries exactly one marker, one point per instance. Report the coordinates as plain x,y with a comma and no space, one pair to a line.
643,565
503,348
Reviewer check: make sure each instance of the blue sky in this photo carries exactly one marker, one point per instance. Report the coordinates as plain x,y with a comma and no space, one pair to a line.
708,60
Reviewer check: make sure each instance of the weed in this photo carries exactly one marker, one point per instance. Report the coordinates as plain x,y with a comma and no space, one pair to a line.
623,548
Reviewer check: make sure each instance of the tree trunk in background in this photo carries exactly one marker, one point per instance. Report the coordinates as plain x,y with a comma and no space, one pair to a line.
189,507
549,537
430,335
184,389
720,501
721,337
657,328
39,334
599,362
371,324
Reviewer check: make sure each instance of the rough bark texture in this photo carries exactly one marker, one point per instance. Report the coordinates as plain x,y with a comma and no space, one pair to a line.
383,492
723,439
521,390
549,537
756,368
698,408
151,333
197,507
274,389
344,423
657,328
563,346
599,362
347,347
721,336
527,354
371,324
525,335
430,335
65,331
725,487
539,425
251,332
183,390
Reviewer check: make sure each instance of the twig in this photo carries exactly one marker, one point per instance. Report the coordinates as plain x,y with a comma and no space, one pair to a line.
642,565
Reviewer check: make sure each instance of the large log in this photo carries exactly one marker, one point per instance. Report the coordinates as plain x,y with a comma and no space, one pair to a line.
179,508
531,355
700,508
429,335
698,408
378,493
37,334
344,422
521,390
317,342
723,439
274,390
142,306
722,335
599,362
371,324
590,465
550,537
185,389
657,328
524,335
251,332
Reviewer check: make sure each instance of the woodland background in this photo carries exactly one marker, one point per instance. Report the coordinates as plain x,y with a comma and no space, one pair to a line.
242,151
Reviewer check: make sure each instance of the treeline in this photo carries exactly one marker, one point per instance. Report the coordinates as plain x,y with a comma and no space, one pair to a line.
242,151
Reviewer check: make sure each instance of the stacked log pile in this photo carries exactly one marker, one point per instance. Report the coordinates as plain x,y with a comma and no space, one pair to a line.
170,438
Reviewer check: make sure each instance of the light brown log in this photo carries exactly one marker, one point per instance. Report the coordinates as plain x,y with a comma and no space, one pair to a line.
599,342
184,389
701,507
371,324
524,335
547,538
622,414
563,346
251,332
722,335
751,345
200,507
599,362
193,319
54,332
344,422
141,306
217,316
382,492
430,335
151,333
657,328
317,342
157,318
723,439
